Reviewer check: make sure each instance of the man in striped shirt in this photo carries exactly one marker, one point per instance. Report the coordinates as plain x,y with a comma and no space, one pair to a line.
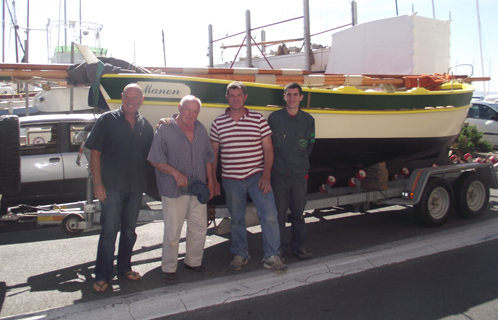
244,138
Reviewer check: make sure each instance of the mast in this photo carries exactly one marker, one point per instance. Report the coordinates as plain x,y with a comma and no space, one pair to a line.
26,50
307,38
16,30
210,46
248,39
3,31
81,36
480,46
164,50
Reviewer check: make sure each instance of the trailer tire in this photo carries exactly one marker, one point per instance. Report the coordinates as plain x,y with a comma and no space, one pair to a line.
471,195
436,204
10,156
70,224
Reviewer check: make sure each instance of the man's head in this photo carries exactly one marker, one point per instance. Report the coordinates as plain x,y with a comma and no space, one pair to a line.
236,95
293,85
293,94
132,98
189,109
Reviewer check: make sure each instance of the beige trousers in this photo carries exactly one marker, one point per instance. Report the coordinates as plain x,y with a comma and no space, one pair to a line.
175,210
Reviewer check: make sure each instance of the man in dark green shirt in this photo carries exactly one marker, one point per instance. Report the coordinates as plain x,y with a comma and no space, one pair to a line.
293,138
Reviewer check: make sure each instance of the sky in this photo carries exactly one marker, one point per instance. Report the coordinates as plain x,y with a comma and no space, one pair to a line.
132,31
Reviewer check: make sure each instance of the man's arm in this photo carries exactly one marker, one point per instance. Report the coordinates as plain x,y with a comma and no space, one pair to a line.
210,183
311,141
264,183
98,186
180,178
216,184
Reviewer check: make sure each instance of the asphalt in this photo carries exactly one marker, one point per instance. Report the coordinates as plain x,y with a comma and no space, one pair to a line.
170,300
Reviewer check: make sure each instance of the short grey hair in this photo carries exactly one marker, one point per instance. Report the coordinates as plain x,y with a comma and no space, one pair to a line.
190,98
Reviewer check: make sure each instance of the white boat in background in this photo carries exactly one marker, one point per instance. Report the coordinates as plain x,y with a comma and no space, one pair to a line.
13,103
57,100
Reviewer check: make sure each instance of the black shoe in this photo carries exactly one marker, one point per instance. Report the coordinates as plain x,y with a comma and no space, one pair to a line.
169,277
302,254
199,269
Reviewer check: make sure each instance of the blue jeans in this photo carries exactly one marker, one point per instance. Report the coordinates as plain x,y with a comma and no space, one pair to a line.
120,210
236,196
290,193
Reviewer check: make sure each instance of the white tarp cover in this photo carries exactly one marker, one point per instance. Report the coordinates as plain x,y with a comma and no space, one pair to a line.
405,45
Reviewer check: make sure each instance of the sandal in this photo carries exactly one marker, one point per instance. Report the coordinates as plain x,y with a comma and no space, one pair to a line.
132,276
100,287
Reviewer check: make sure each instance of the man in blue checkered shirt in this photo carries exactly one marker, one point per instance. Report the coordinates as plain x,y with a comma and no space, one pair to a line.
181,152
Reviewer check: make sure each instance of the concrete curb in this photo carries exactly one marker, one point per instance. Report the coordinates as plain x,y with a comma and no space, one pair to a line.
194,295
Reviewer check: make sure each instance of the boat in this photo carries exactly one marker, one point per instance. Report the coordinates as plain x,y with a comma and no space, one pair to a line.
58,100
12,103
354,128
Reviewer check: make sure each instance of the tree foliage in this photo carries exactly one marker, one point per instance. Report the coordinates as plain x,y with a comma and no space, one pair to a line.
470,140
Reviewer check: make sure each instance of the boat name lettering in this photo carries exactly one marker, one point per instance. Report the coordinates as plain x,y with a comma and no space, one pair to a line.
164,89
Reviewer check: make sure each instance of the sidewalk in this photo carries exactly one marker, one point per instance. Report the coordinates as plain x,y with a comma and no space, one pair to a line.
183,297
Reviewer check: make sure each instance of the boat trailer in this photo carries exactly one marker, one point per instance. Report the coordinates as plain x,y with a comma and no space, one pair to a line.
433,192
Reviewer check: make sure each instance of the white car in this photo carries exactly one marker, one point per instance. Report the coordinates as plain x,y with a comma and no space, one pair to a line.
484,115
49,146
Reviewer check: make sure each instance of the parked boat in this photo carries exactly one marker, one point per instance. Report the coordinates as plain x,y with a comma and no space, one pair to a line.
354,127
58,100
12,103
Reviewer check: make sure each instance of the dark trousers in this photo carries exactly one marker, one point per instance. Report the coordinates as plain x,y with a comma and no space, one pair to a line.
290,193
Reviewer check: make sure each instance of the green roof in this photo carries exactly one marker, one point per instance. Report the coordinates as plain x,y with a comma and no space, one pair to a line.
95,50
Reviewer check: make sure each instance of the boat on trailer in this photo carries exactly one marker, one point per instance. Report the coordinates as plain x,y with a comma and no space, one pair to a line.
355,127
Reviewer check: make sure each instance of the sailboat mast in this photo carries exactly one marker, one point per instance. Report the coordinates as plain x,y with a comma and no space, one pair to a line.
307,38
81,24
480,45
3,31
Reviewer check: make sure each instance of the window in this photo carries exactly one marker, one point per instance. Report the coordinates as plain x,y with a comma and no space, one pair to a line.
486,112
78,134
38,139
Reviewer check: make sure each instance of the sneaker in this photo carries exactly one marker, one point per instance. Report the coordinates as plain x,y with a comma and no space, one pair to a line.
274,263
302,253
237,263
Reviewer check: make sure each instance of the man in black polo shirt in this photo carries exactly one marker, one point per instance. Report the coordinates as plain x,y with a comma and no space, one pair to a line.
120,142
293,138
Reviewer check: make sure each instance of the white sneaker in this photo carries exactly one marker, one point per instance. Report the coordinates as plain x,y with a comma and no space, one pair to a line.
274,263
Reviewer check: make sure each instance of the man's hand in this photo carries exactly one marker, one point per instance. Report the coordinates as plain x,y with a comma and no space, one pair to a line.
264,184
210,186
165,121
216,188
99,192
180,178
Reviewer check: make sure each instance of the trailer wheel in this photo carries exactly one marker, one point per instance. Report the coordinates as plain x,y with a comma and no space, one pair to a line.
70,224
471,195
436,203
